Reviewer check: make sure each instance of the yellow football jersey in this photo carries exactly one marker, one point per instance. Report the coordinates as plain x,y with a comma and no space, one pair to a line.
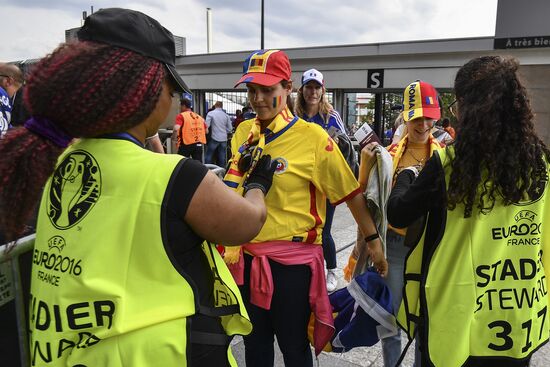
311,168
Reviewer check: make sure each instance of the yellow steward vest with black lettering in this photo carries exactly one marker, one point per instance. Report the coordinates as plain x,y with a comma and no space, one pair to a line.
481,290
104,289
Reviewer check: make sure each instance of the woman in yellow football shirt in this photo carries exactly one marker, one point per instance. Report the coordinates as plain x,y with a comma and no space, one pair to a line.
421,111
281,269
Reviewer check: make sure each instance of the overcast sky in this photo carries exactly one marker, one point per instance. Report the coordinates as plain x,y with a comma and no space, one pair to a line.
32,28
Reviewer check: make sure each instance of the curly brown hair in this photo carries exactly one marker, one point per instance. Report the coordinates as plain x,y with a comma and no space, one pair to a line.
497,152
85,88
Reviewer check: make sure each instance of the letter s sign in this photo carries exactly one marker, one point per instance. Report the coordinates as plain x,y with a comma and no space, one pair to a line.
375,78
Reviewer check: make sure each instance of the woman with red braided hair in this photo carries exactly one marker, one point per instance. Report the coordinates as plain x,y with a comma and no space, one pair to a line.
123,273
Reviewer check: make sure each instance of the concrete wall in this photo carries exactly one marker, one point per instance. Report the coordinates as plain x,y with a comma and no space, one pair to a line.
345,68
535,77
537,82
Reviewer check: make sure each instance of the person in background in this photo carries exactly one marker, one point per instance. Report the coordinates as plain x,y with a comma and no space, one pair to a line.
441,135
17,117
312,106
219,124
476,284
421,111
238,119
19,112
139,283
11,79
248,113
446,123
400,129
281,270
388,135
190,129
438,131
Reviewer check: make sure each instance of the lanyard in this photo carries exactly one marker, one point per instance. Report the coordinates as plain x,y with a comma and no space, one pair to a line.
123,136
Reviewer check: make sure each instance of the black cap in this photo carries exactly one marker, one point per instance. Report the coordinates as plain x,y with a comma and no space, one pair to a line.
134,31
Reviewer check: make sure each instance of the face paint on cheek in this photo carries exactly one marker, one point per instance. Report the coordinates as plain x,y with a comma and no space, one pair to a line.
277,101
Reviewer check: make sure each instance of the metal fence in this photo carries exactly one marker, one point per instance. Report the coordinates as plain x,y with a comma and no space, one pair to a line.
165,136
232,101
14,290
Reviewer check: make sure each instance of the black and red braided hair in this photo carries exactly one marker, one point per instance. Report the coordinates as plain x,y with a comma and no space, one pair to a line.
87,89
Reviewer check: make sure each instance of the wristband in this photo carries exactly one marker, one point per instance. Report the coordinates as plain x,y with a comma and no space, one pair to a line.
255,185
372,237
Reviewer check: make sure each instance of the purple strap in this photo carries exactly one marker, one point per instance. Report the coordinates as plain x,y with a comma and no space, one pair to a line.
48,130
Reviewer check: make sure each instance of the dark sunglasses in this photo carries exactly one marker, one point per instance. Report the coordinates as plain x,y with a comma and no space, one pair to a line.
245,162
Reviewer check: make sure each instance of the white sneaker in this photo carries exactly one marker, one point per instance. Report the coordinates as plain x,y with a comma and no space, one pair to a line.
332,281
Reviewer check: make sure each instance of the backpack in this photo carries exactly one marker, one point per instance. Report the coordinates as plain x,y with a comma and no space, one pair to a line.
346,147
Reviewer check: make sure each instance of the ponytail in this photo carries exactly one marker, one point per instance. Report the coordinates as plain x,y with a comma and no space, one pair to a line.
27,161
82,90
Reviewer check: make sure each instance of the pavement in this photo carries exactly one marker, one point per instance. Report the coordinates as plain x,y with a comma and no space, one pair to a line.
344,232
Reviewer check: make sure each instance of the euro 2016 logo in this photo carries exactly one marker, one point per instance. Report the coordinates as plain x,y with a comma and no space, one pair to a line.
75,188
538,186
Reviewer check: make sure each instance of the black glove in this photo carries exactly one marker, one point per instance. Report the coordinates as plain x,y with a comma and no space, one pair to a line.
261,176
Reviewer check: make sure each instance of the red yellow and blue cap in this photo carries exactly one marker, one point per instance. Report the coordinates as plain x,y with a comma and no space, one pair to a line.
420,100
266,67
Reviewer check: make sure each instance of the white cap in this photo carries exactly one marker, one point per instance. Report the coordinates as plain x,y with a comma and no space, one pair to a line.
312,74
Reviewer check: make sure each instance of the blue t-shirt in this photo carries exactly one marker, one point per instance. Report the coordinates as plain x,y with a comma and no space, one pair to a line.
5,111
333,120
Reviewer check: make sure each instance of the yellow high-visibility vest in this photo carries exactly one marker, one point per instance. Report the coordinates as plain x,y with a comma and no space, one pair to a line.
482,289
105,289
